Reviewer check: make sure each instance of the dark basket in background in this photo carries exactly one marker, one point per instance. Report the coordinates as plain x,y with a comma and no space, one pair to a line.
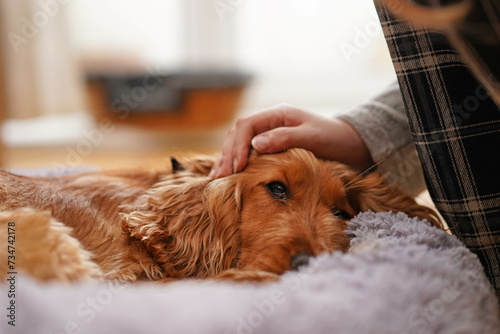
183,100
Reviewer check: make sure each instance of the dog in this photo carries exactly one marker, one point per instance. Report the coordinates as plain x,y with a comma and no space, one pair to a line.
179,223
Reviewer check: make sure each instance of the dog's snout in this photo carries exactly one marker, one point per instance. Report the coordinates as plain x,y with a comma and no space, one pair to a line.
299,260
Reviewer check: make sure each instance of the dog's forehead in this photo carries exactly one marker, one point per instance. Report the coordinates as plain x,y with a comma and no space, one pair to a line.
299,166
319,176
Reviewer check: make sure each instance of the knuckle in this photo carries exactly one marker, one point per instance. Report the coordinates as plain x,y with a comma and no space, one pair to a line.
240,122
285,139
283,106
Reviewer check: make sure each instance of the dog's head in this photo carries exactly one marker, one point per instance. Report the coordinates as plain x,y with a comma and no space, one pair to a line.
282,209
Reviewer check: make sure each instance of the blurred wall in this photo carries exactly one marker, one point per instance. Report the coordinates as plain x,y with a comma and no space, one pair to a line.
321,55
41,71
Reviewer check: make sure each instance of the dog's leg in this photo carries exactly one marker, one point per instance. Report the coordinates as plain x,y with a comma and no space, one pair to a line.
43,248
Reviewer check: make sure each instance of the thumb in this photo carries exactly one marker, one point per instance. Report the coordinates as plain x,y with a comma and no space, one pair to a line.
277,140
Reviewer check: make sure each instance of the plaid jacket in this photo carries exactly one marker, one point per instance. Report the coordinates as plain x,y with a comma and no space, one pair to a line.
456,129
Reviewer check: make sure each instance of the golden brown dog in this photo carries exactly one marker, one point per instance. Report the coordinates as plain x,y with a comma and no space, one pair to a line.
179,223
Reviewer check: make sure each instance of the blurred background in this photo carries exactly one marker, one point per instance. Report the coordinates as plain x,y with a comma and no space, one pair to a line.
123,83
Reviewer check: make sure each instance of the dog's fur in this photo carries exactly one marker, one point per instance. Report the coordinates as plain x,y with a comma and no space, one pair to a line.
178,223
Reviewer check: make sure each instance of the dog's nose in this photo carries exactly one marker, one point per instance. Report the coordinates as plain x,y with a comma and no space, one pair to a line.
299,260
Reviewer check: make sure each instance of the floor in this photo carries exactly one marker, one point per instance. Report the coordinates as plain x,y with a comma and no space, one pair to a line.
78,142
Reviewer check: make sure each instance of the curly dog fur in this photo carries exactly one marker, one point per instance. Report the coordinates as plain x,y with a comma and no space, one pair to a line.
179,223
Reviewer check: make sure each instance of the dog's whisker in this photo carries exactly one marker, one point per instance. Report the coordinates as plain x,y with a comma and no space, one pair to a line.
361,175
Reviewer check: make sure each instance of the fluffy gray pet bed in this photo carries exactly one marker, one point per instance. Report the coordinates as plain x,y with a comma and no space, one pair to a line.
402,276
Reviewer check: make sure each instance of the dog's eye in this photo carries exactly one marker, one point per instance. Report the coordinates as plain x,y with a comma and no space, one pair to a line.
278,190
343,215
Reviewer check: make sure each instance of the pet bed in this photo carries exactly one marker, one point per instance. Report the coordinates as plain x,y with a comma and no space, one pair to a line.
401,276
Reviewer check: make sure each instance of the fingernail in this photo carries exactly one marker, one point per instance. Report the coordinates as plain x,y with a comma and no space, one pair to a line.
235,165
260,143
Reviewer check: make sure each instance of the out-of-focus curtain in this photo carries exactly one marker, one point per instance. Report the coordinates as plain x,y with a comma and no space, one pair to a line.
3,105
42,77
209,33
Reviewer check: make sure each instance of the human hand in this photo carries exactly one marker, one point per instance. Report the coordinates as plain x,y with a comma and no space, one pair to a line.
282,127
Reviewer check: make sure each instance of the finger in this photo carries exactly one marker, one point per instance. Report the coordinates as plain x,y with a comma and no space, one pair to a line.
234,156
278,116
240,145
280,139
236,146
223,166
215,168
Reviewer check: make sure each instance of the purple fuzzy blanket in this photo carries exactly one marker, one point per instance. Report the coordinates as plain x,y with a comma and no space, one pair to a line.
401,276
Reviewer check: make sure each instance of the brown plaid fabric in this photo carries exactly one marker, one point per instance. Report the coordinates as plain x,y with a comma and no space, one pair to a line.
456,128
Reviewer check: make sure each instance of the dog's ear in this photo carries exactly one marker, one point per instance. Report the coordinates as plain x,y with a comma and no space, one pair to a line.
176,165
199,164
223,201
189,224
370,192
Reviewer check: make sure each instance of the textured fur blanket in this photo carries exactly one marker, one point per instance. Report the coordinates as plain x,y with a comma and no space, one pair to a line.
401,276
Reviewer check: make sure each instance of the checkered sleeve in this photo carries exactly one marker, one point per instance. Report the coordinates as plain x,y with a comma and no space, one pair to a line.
456,128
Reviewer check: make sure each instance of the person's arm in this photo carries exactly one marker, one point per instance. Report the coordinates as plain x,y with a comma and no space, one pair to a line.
383,126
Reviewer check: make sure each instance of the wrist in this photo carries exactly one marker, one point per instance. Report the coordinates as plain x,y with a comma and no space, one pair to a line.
357,154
